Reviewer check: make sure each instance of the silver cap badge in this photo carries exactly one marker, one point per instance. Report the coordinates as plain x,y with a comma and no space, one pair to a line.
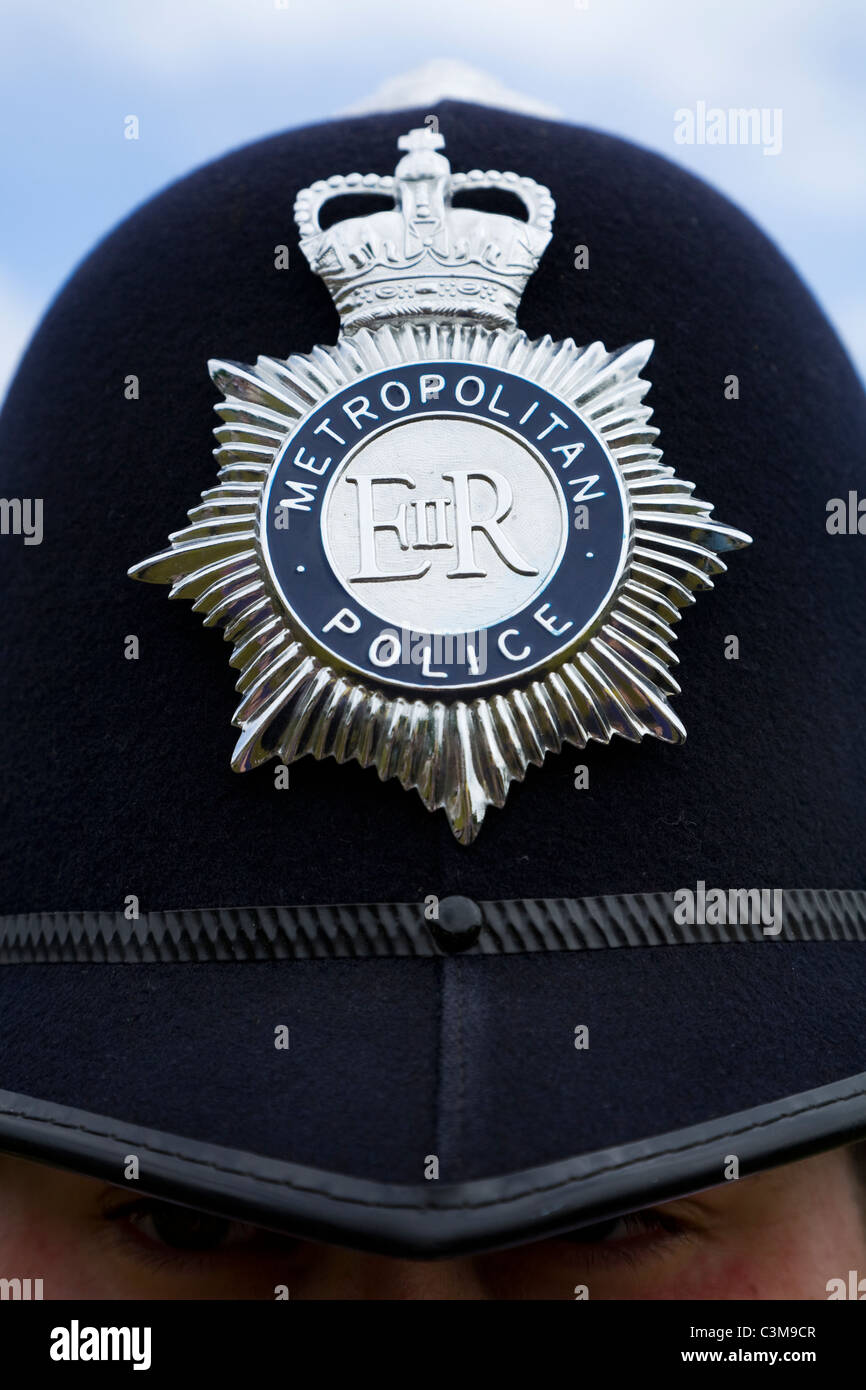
437,547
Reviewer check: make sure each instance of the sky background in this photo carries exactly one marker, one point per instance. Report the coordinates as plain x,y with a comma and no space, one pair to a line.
205,76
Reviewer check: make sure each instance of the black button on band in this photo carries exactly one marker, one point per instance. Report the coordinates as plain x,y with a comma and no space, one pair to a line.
458,925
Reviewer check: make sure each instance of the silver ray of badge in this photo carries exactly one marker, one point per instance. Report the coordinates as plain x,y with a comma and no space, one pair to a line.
440,548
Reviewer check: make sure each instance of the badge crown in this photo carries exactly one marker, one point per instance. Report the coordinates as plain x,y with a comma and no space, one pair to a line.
425,257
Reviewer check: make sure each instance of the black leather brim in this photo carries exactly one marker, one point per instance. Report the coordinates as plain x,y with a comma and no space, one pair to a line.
435,1220
696,1051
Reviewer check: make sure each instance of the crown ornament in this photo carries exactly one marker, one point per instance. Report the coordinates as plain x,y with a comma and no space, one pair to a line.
425,257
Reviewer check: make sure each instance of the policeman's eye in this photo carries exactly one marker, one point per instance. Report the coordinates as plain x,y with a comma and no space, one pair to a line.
165,1227
627,1237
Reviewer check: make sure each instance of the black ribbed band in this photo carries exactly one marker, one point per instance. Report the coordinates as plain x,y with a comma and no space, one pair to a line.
402,929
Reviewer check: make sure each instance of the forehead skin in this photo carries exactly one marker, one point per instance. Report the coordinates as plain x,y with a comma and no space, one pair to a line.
782,1234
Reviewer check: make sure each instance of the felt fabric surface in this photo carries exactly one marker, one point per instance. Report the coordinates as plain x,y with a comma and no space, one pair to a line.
471,1058
116,772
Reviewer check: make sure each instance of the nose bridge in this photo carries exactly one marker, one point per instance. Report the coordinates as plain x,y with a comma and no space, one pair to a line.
379,1277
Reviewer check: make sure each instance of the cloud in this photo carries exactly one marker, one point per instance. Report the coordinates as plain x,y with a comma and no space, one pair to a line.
447,77
620,64
18,317
212,74
850,321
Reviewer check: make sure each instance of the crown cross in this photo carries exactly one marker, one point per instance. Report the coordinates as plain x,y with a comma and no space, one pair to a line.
425,138
425,258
